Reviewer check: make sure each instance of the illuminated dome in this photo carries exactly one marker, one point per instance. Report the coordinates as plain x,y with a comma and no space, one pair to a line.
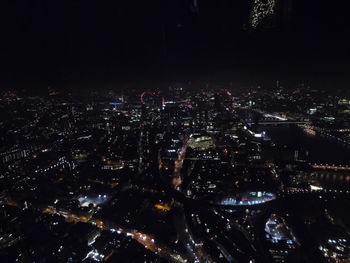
248,198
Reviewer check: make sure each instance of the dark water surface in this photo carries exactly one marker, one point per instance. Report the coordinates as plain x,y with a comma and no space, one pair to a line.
312,148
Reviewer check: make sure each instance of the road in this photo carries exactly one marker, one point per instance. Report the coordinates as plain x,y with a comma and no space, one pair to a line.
194,249
146,240
177,177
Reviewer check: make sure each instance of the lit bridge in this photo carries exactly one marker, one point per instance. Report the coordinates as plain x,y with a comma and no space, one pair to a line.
331,167
317,192
280,122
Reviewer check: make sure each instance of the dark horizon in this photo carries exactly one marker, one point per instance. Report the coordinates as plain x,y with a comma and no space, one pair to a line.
80,43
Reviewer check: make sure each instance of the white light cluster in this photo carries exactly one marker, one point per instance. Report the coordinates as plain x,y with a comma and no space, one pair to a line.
260,10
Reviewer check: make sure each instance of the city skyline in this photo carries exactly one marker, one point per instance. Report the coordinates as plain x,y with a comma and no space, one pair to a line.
174,131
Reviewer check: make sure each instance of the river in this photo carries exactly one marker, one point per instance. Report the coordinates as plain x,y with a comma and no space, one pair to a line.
312,148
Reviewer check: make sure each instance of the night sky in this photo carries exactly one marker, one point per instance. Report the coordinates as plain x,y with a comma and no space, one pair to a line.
80,43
